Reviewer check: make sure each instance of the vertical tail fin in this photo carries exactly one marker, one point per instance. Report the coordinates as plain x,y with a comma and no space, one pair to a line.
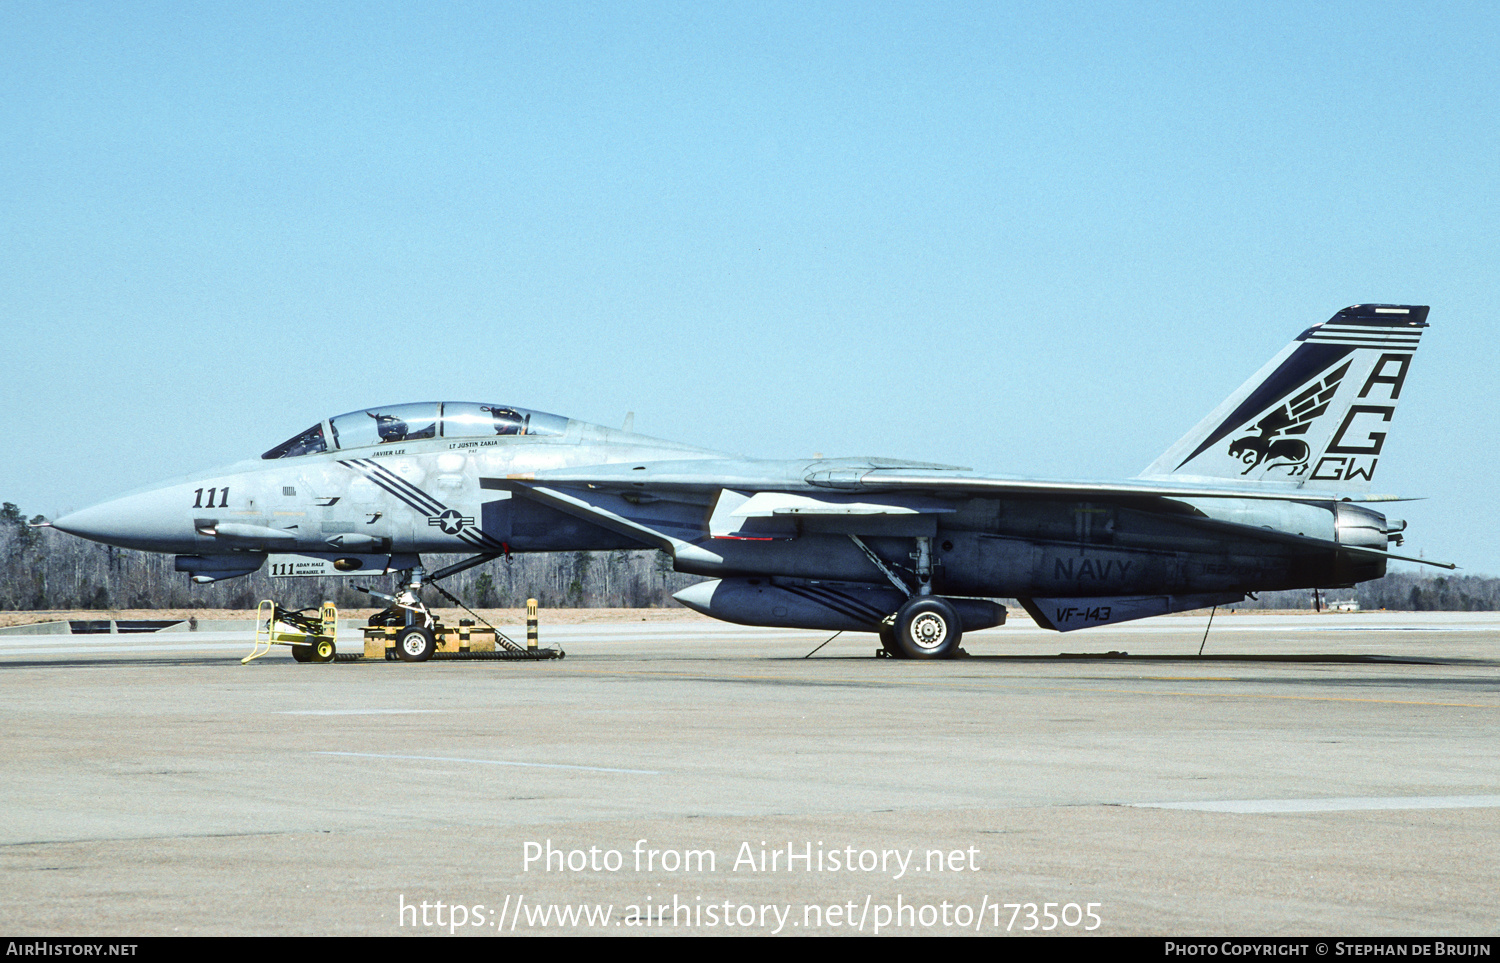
1316,416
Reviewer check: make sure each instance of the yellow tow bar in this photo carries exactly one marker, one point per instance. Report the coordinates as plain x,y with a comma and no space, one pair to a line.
318,639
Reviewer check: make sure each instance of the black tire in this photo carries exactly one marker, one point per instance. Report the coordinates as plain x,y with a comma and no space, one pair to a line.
322,651
302,653
415,644
888,642
927,627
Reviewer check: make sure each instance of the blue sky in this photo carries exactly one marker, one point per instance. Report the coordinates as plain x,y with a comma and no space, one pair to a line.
1042,239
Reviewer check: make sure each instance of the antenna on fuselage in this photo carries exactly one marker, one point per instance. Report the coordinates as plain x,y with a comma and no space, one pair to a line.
629,422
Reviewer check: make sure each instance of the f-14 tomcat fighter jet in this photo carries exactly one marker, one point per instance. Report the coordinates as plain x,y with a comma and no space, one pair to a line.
1268,492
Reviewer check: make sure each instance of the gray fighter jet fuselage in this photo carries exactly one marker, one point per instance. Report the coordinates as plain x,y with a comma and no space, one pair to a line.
1267,493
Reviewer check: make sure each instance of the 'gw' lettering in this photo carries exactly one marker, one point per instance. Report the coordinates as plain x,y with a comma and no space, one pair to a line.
1336,468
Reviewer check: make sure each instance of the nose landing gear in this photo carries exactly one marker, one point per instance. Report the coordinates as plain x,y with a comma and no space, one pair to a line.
415,643
411,632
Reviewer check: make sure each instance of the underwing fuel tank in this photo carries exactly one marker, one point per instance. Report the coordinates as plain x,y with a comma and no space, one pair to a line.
826,606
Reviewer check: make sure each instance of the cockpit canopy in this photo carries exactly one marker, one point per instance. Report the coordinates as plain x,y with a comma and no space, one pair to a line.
415,422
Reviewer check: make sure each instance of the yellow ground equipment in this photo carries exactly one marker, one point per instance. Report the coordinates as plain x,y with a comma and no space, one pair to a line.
417,643
312,638
411,632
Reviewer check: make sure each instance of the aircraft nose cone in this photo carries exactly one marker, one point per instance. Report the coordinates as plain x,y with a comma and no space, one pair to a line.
95,523
150,521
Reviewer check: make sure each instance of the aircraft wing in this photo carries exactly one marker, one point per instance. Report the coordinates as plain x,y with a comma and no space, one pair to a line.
666,503
1000,485
746,476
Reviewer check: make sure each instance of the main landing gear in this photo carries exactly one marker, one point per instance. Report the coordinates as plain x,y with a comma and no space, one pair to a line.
925,626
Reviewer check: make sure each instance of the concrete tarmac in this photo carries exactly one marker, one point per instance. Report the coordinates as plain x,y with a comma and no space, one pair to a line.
1308,775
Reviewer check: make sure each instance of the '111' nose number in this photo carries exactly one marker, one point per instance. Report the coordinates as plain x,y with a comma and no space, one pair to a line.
223,494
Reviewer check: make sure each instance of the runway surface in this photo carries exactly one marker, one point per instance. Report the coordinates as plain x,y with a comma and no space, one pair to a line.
1307,775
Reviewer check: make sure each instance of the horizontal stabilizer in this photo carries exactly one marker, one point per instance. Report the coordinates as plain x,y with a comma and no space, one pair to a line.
1070,614
1344,543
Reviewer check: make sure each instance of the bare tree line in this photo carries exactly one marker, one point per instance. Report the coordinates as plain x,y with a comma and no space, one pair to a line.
1399,591
46,569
